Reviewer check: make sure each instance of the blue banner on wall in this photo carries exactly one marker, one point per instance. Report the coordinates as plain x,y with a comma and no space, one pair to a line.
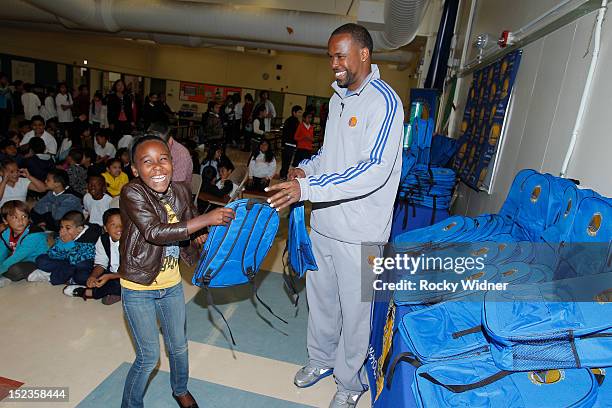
483,119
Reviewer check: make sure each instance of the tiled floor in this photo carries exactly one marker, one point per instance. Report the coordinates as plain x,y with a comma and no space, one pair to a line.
49,339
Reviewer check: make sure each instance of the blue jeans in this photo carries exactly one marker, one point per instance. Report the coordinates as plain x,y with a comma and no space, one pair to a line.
62,271
142,309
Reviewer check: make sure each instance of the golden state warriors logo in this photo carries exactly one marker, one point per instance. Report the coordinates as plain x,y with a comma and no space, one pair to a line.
352,121
603,297
594,224
546,376
510,272
483,175
600,374
480,252
494,134
475,276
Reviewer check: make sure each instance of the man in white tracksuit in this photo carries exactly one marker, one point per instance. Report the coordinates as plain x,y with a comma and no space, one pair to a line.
352,182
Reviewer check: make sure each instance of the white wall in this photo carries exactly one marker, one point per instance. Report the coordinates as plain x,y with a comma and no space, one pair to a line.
547,93
592,161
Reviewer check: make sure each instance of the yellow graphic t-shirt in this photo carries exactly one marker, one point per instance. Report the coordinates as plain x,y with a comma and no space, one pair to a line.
169,274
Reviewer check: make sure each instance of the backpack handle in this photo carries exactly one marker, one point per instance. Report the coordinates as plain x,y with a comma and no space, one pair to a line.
459,388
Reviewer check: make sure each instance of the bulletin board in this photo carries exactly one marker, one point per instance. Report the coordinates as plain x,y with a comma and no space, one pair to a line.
25,71
202,93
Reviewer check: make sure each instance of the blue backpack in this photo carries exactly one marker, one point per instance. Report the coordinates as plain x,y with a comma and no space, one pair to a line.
560,324
476,382
233,253
588,248
561,229
511,205
447,325
299,249
445,331
540,202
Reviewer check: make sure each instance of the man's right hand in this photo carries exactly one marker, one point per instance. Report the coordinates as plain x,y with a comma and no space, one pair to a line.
295,172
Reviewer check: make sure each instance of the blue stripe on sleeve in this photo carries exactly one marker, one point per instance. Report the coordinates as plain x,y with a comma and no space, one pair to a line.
376,153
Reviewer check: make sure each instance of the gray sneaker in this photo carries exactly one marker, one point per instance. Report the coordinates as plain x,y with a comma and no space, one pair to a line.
345,399
310,375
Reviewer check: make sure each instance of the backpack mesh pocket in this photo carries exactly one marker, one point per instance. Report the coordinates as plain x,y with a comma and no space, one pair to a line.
556,351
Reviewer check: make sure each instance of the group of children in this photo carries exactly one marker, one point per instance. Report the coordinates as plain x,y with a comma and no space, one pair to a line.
84,257
75,196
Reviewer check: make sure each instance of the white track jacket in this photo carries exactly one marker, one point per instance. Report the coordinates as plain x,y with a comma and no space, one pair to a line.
352,181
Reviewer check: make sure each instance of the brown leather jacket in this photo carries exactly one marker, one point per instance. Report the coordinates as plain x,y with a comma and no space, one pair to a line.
146,230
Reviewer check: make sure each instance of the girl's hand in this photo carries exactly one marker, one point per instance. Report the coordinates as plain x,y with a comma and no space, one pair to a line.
201,239
219,216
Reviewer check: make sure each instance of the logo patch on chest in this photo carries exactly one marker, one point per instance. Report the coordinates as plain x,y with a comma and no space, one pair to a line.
352,121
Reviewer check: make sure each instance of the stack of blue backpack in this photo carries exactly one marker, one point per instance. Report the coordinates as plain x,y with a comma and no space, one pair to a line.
425,183
544,342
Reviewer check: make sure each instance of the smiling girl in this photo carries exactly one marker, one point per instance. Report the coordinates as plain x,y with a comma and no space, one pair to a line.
158,221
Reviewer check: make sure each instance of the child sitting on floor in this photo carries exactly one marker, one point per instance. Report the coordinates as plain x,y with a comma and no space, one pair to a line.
123,154
77,174
96,201
40,163
103,282
115,177
59,200
20,243
70,259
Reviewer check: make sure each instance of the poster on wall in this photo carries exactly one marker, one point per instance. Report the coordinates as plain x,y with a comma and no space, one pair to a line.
25,71
483,119
201,93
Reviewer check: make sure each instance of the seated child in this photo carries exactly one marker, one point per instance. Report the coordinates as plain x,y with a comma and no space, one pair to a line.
21,243
123,154
40,162
77,174
70,259
23,127
211,185
38,129
51,126
104,149
226,168
89,156
8,150
96,201
59,200
16,182
262,166
115,177
103,282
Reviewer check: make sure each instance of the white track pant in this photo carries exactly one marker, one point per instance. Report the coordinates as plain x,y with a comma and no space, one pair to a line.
338,320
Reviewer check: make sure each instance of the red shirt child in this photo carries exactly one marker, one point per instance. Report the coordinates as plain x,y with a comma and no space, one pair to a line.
304,135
